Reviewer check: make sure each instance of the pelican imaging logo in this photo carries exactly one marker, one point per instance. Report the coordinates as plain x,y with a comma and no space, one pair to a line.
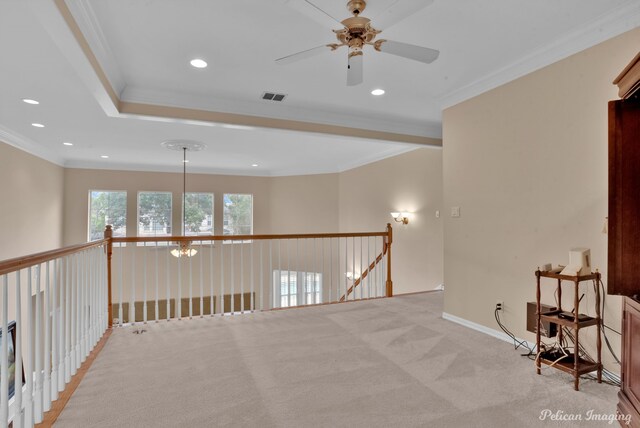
588,416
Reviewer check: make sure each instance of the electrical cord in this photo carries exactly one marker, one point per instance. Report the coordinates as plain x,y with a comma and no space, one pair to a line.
609,378
604,333
516,343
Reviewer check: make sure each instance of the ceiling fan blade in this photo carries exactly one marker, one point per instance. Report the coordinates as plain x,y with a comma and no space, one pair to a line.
354,70
399,10
314,12
417,53
303,55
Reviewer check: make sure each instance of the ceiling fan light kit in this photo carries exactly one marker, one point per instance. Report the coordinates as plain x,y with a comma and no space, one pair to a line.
358,32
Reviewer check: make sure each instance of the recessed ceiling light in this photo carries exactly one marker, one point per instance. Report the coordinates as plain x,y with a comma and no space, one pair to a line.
104,157
186,161
377,92
254,164
66,143
30,101
198,63
37,125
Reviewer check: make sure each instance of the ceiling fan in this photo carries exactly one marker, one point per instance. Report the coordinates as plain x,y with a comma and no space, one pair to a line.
358,32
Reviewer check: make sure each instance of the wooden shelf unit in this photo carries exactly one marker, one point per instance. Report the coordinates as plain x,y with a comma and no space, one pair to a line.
576,366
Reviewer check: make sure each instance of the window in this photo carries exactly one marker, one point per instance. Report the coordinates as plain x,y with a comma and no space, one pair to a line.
154,214
238,214
198,214
107,207
293,288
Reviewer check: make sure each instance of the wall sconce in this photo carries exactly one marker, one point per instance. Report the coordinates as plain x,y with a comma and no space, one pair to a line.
401,217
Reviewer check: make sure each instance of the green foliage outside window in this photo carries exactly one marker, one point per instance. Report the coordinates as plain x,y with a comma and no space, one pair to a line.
154,213
238,214
107,208
198,214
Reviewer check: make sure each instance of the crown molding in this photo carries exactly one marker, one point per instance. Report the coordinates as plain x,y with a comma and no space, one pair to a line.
609,25
85,17
25,144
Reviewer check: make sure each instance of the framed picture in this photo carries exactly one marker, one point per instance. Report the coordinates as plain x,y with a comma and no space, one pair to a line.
11,358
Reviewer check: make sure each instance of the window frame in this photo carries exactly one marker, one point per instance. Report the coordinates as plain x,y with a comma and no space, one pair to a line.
90,206
301,284
231,240
170,223
213,204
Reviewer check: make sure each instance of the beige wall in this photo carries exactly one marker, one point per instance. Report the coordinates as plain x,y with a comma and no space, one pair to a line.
409,182
306,203
301,204
527,164
32,203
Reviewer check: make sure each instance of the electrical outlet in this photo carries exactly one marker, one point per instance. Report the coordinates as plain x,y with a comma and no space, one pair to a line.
499,305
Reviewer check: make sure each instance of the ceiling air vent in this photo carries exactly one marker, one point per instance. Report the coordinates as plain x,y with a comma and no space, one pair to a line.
272,96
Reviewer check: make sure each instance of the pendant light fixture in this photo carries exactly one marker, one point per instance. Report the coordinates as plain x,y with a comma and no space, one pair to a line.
184,247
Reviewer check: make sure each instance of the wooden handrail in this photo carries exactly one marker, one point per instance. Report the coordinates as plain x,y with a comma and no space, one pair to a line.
243,237
365,273
18,263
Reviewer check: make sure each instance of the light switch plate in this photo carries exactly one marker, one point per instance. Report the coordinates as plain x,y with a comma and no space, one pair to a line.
455,211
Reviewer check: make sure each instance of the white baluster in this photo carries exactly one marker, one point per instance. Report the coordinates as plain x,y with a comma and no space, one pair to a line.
28,362
222,278
233,285
62,323
37,357
167,282
55,331
241,277
251,298
121,284
331,269
82,327
144,283
132,303
190,287
46,387
346,266
201,282
212,309
156,307
179,299
261,276
17,404
289,271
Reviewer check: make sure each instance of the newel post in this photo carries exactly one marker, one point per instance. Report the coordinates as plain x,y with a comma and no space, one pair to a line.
389,239
108,235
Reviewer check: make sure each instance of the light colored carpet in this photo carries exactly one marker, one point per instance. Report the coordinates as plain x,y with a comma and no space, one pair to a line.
380,363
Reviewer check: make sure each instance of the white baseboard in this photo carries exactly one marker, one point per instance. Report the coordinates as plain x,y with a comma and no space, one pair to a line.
503,336
482,329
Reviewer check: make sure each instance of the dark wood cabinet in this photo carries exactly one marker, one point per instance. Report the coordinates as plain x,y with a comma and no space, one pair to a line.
624,197
629,395
624,230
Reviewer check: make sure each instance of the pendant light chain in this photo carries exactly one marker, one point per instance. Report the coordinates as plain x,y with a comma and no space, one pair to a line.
184,189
